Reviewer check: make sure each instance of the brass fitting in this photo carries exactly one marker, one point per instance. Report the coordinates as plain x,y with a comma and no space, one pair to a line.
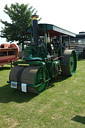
34,17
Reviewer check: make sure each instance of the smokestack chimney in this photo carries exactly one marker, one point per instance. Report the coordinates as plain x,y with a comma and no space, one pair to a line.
35,28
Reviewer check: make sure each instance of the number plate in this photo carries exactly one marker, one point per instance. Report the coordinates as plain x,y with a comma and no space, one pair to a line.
24,87
13,84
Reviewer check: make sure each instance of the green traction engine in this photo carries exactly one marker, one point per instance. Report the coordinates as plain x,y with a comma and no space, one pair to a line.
45,57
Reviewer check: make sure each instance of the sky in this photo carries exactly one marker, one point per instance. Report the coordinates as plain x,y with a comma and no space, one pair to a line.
67,14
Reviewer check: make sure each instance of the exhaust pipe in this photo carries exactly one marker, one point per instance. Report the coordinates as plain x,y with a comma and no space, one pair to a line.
35,29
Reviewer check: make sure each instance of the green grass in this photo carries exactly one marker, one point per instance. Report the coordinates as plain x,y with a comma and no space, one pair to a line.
60,106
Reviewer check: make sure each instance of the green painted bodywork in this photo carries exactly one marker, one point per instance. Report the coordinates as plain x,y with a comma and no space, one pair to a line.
52,67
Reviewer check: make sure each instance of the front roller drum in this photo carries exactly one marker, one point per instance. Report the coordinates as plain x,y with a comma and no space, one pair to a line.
33,78
70,62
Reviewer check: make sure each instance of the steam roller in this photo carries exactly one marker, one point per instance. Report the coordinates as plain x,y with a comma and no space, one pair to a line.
45,57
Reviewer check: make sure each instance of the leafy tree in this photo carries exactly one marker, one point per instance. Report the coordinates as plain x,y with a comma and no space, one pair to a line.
20,16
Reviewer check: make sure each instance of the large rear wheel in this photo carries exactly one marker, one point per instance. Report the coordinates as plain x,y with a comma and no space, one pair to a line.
70,62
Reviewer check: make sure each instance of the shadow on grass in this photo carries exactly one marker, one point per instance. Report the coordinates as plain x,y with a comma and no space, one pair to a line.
62,78
5,68
79,119
8,94
57,79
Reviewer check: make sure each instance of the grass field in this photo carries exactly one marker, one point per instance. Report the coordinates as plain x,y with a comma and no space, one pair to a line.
60,106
